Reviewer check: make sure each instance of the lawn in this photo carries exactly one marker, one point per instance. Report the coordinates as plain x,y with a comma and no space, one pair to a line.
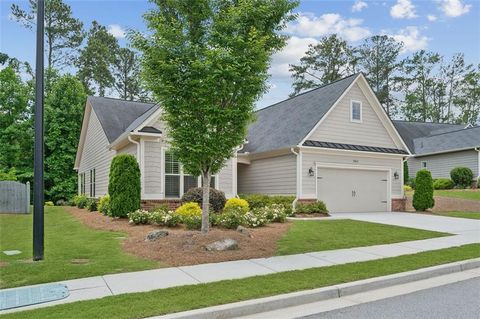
470,215
163,301
471,194
307,236
72,250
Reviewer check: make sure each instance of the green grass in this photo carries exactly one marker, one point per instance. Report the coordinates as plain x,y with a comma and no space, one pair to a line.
65,239
471,194
470,215
307,236
163,301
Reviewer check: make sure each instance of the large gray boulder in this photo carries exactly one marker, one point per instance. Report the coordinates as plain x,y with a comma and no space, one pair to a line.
221,245
156,234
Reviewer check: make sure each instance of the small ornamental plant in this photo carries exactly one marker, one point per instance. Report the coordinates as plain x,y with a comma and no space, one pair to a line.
275,213
189,209
140,216
232,217
237,202
423,195
104,205
164,218
255,218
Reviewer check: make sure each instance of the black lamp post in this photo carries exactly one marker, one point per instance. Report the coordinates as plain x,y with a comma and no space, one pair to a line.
38,184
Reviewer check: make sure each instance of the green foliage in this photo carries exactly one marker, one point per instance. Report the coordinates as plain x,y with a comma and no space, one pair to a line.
91,204
406,176
274,213
192,222
126,72
124,185
9,175
407,188
80,201
217,198
232,217
411,182
104,205
164,218
260,200
237,202
189,209
140,216
423,195
442,183
255,218
49,203
317,207
462,177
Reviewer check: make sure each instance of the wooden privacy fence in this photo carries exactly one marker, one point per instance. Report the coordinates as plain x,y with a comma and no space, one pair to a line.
14,197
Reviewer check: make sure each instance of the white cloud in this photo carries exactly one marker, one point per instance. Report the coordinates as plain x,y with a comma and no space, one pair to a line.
309,25
412,39
117,31
403,9
454,8
291,54
359,5
431,17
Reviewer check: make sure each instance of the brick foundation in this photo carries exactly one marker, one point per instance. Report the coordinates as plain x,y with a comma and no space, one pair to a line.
306,200
150,204
399,204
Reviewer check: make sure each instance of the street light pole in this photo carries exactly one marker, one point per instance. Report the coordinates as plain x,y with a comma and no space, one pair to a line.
38,189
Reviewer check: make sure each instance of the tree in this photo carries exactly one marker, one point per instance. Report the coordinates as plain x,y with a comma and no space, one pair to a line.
124,185
468,97
207,62
96,60
63,117
423,195
63,33
126,71
329,60
378,58
406,176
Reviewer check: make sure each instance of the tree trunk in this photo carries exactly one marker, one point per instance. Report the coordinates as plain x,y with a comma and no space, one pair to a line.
206,176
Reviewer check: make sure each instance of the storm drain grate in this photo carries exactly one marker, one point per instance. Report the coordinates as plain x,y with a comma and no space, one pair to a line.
21,297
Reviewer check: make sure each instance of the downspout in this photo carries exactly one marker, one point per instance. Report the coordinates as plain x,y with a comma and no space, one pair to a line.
478,164
294,204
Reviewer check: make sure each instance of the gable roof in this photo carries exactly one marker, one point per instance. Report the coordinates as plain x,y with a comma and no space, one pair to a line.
286,123
412,130
118,116
468,138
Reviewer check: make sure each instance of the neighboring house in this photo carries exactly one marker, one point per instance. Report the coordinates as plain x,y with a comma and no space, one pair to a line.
334,143
441,147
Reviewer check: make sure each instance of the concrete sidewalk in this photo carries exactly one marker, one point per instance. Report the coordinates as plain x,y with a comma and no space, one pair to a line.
465,232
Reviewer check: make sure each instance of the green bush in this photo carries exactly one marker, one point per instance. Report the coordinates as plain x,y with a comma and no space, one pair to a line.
192,222
161,217
124,185
49,203
217,198
80,201
91,204
462,177
162,208
317,207
256,218
442,183
104,205
274,213
406,176
232,217
140,216
260,200
190,209
423,195
411,182
237,202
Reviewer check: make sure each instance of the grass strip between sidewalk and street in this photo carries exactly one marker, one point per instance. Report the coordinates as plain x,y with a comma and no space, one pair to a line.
176,299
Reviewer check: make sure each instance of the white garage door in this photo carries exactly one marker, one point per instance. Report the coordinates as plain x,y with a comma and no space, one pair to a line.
352,190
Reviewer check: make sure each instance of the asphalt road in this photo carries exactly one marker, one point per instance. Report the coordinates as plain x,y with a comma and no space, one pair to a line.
460,300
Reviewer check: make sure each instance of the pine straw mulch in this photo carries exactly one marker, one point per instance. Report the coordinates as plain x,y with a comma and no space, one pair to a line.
183,247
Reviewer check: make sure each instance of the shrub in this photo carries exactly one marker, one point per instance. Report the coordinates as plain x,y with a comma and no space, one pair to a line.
232,217
407,188
317,207
124,185
49,203
192,222
217,198
255,218
406,177
104,205
259,200
91,204
423,195
462,176
274,213
140,216
80,201
442,183
237,202
61,202
411,182
164,218
162,208
190,209
214,219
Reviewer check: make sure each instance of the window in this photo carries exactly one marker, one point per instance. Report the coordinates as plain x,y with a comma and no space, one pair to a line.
82,183
356,111
92,182
424,164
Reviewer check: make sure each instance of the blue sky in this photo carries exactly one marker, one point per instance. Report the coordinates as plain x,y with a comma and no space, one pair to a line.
443,26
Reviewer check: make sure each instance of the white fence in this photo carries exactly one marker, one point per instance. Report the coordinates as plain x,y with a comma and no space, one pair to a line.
14,197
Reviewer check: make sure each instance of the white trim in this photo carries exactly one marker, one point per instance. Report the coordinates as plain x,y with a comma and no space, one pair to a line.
298,174
152,196
142,164
446,151
234,175
162,171
351,111
387,169
83,134
148,120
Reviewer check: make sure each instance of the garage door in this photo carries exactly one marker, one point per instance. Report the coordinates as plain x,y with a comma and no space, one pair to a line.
352,190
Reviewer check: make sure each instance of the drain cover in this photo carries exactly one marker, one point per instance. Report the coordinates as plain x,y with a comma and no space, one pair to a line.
21,297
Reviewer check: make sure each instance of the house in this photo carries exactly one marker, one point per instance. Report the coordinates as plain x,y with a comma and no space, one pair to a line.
333,143
441,147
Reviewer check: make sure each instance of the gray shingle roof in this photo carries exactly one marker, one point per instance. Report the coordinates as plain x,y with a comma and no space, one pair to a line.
444,142
118,116
354,147
412,130
285,124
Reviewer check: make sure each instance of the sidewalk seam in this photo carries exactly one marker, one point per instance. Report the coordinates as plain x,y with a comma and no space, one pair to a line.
106,284
189,275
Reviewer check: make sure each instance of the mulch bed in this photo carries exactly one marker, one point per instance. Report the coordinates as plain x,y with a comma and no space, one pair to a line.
183,247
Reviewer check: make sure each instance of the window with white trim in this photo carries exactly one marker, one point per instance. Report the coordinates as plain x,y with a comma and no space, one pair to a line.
424,164
356,111
82,183
92,182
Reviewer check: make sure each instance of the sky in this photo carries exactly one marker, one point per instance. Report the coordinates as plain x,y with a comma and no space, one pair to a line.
443,26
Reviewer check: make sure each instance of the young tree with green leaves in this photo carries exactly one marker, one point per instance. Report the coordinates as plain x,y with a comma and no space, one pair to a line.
96,60
207,62
468,97
329,60
63,33
126,72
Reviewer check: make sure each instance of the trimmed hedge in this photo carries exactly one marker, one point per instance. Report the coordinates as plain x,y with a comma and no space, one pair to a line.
462,177
423,195
443,183
124,185
217,198
317,207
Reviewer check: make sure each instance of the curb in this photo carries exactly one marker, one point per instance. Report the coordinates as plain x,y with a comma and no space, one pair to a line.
251,307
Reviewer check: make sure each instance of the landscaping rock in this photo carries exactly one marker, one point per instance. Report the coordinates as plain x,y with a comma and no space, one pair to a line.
244,231
156,234
221,245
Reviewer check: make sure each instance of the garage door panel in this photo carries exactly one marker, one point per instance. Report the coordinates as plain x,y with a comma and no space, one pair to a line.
352,190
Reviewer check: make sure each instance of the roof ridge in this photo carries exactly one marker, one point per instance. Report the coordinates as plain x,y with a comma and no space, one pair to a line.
419,122
118,99
449,132
311,90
